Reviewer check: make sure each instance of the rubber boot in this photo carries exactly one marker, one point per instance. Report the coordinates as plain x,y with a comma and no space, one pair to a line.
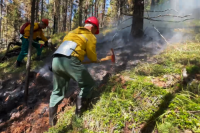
18,63
52,115
81,106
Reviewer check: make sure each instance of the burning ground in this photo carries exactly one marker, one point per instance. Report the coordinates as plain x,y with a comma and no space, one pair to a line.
146,90
159,94
15,117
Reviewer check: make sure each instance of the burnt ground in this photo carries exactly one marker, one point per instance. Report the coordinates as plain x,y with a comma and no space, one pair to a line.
15,117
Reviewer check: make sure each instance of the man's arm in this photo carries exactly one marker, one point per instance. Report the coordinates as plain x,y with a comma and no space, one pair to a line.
91,50
43,37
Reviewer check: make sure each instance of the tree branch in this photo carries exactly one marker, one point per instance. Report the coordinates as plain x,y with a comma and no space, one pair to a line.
168,20
157,30
159,11
170,15
151,18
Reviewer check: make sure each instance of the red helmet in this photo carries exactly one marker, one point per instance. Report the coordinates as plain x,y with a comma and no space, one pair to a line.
94,21
46,21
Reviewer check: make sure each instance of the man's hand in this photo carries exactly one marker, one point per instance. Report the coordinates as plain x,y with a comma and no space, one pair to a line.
46,44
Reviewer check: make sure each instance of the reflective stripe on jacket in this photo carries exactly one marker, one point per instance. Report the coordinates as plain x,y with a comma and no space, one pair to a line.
86,43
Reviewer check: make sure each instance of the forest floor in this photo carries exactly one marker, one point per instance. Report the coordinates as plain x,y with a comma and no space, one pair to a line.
150,89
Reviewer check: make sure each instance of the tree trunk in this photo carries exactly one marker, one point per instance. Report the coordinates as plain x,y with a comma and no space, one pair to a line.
37,9
95,8
92,8
103,13
1,17
42,9
80,12
6,26
137,23
28,64
70,21
58,15
55,25
64,14
122,3
118,11
86,11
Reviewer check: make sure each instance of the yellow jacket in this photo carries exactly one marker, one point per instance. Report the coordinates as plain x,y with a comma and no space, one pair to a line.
86,43
37,32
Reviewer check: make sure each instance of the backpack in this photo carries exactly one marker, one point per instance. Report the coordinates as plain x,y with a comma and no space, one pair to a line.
23,27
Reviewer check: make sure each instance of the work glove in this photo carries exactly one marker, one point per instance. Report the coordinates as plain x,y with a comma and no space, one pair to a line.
46,44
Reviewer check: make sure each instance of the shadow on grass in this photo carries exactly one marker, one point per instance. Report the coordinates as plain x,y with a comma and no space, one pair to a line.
151,123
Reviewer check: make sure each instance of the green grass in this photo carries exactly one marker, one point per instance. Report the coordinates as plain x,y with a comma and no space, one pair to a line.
138,101
57,38
7,68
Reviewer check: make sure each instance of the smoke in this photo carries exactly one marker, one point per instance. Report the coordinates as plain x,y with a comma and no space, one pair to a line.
131,51
44,70
182,9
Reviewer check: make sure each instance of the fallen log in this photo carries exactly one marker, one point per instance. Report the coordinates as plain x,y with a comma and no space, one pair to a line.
11,44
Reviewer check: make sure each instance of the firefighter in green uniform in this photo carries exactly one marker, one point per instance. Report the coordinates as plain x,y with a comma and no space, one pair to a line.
25,40
67,64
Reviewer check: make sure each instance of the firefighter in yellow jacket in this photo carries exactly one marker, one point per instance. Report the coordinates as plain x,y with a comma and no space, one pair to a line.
67,64
37,32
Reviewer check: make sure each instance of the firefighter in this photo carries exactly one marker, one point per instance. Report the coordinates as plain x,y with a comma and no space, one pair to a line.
67,64
37,32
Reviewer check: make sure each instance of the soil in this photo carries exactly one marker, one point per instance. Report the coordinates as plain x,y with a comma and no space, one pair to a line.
15,117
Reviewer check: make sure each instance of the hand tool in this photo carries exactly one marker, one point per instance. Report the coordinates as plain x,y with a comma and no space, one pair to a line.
111,57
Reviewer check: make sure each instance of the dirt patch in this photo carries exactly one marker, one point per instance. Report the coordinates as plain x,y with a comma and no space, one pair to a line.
18,118
166,81
127,128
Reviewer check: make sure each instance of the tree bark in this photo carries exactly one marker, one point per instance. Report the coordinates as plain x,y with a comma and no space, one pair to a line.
58,16
137,22
95,8
80,12
103,13
64,14
86,10
28,64
55,25
70,21
121,8
42,9
92,8
6,26
37,9
1,17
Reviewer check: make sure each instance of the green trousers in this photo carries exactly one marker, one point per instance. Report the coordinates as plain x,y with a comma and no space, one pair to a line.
65,68
24,49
